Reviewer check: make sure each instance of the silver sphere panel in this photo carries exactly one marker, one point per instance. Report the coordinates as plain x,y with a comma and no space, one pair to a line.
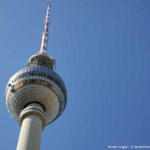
33,93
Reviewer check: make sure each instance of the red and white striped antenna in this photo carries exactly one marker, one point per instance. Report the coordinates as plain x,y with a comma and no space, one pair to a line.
43,49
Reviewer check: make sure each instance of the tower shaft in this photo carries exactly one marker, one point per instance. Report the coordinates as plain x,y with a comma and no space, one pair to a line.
30,133
31,127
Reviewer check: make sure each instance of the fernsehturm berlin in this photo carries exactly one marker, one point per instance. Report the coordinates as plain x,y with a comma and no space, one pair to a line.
36,95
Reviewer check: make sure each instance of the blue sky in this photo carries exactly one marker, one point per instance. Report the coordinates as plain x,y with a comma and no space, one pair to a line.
102,51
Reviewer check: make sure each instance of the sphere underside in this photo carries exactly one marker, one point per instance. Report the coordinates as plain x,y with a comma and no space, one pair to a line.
36,84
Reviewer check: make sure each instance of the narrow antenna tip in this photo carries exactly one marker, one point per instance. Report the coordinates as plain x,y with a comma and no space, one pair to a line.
49,6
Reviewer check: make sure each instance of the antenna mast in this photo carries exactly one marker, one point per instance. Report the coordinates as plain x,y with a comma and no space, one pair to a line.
43,49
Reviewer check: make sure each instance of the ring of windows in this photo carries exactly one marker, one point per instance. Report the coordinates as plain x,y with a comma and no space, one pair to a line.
39,74
23,83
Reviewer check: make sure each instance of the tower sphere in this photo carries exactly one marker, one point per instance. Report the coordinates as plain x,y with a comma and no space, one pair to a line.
36,83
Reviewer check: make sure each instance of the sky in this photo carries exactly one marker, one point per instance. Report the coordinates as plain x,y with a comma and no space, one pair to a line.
102,51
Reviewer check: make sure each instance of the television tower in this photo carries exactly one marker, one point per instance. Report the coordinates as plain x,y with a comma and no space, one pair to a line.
36,95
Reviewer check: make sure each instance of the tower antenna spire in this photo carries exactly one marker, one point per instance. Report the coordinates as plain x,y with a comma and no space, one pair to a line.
43,49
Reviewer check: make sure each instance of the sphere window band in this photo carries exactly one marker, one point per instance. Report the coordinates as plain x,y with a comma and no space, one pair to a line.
39,74
31,81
